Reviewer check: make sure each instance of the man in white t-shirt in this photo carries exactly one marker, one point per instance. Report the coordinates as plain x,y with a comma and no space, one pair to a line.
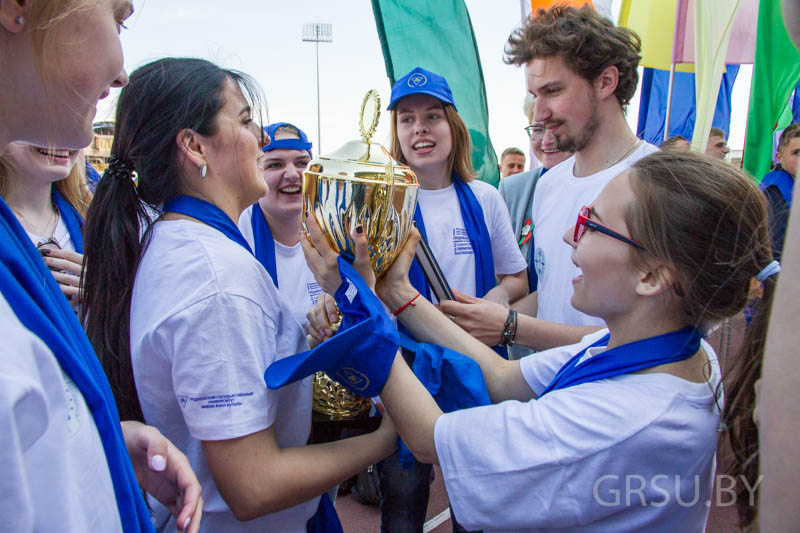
583,76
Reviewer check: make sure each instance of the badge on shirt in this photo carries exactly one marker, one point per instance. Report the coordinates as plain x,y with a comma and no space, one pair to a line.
525,233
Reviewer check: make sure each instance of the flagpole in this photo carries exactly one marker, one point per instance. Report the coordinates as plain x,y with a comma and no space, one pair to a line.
669,100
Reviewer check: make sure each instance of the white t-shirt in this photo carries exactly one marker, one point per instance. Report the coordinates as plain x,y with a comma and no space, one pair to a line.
60,235
54,471
296,282
559,196
560,462
448,237
206,321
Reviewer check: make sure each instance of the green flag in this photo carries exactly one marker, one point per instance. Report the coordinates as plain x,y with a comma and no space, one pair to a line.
775,74
437,36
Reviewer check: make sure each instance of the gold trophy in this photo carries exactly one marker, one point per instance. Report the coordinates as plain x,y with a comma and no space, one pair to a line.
360,183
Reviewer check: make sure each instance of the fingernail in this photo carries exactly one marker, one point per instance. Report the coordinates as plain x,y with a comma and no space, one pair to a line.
332,318
186,523
45,251
359,229
328,333
158,463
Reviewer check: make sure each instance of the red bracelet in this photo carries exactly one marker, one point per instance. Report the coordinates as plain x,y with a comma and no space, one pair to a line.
403,307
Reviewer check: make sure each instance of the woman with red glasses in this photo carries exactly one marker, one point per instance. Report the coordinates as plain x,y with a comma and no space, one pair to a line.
619,431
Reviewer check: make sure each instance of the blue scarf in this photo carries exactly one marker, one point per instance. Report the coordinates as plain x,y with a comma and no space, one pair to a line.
478,233
72,219
264,242
783,181
209,214
33,294
638,355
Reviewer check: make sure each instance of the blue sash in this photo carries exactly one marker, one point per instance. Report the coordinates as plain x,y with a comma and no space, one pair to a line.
33,294
264,242
208,213
72,220
783,181
479,239
478,233
638,355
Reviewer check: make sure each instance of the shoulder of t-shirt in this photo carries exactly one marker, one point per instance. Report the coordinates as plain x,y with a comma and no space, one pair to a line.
562,169
485,191
645,149
228,266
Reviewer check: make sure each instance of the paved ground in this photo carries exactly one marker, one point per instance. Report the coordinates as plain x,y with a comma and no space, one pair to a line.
357,518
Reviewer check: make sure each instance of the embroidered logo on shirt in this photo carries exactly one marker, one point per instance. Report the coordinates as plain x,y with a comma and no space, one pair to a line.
538,261
215,401
461,244
73,414
314,290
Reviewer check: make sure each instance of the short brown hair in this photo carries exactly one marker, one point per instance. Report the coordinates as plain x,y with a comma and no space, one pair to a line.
791,132
460,160
716,132
511,151
586,41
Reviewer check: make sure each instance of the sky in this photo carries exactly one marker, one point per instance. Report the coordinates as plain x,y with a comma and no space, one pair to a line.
263,39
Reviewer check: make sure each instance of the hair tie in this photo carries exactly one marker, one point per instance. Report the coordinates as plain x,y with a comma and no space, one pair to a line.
121,170
773,268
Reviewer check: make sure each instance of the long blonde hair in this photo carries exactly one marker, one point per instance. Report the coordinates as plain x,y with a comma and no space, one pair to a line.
460,159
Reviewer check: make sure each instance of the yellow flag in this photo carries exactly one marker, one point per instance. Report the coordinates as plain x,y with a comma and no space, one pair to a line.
654,22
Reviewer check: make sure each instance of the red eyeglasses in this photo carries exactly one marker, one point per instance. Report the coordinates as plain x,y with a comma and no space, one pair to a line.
585,222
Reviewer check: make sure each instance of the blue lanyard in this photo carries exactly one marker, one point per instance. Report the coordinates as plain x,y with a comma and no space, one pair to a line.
264,243
638,355
72,220
208,213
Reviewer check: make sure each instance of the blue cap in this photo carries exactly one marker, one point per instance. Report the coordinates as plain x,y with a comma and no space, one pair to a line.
290,144
359,355
421,81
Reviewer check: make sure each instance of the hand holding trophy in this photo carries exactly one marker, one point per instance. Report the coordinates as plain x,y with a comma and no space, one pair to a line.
358,184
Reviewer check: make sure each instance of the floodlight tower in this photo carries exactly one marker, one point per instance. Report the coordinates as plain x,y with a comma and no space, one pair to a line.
318,32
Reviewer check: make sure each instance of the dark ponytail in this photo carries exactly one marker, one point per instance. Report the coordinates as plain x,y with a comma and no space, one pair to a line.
161,99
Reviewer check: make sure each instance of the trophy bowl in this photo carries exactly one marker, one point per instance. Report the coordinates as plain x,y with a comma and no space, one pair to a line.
360,183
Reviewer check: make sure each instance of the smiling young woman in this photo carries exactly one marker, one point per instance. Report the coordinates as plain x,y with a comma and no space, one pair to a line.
186,319
69,464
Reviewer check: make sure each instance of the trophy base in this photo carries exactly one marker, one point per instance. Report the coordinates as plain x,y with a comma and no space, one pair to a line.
334,401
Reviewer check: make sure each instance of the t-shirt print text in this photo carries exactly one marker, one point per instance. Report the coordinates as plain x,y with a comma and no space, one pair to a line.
215,401
461,244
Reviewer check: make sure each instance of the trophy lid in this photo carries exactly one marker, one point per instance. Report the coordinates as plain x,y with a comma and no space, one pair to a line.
363,159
